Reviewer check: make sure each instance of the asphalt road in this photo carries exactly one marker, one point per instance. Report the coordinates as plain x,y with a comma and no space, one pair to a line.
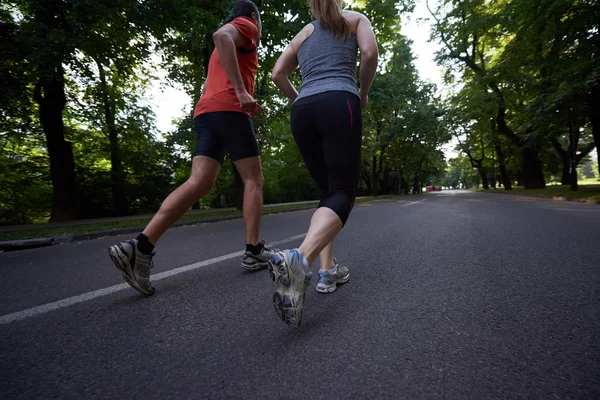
453,295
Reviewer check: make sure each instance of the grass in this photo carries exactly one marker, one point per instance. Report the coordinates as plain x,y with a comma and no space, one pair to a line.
586,192
589,181
188,218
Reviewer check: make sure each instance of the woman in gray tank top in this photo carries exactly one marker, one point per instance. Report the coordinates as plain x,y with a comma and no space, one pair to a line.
326,122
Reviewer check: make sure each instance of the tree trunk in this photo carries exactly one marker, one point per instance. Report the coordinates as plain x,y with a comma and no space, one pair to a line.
574,186
531,169
374,178
564,157
365,177
484,179
374,174
382,184
532,173
416,183
117,175
502,164
565,177
573,144
594,115
49,93
404,184
477,163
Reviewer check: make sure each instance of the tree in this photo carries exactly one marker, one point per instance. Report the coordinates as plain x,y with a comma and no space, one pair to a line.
470,34
460,173
47,31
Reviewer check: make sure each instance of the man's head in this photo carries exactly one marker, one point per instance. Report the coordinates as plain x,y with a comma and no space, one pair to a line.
246,8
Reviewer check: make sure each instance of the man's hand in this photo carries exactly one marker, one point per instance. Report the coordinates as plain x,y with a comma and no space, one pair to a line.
258,110
248,103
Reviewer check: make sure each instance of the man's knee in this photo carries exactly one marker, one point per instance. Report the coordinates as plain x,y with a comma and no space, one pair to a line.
254,181
201,184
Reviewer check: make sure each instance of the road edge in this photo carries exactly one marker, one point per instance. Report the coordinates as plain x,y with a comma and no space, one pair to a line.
26,244
582,200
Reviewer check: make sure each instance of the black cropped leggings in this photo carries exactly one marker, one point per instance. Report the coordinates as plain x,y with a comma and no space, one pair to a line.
327,128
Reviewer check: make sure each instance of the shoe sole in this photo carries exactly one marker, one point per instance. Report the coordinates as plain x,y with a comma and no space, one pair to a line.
332,288
122,263
288,308
255,266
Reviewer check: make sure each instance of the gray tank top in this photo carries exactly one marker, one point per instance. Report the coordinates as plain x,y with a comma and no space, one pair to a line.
326,63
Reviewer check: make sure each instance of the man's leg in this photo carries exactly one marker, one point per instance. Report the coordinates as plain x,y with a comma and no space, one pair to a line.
251,172
134,257
204,174
237,133
257,255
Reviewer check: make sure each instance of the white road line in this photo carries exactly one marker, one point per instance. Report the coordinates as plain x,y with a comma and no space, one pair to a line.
45,308
414,202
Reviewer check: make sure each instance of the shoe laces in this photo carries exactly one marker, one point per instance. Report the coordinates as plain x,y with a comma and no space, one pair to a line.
262,243
149,258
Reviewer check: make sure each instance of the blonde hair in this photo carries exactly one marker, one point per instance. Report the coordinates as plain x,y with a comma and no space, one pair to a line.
329,14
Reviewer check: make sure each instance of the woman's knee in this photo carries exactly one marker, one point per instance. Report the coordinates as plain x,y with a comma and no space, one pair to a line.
341,201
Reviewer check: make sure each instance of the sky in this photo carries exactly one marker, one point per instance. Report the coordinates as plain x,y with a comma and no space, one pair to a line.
168,101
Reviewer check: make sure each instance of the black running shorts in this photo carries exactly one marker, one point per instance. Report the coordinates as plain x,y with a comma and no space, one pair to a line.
225,131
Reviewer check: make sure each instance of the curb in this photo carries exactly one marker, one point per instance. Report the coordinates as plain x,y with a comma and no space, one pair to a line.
541,196
13,245
576,199
24,244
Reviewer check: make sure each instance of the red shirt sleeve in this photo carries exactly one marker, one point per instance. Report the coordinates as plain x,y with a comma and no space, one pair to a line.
248,29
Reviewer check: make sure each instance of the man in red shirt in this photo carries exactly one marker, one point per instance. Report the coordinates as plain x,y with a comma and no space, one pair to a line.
223,124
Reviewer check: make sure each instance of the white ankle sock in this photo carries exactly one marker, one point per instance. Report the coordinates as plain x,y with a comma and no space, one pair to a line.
304,261
329,271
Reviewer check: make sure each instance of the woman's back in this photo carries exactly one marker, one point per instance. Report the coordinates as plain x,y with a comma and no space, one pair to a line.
327,63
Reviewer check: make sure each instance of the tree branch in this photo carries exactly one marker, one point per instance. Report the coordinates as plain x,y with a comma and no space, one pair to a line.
585,151
37,93
474,48
453,52
556,144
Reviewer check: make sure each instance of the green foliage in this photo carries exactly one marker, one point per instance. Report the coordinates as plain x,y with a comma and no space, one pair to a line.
403,127
535,67
25,191
102,52
460,174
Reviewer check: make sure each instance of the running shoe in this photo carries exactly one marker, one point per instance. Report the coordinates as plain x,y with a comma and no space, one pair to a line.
292,279
134,265
254,262
328,281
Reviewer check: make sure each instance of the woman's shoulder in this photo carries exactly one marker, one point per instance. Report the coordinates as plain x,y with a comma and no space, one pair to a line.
302,36
353,18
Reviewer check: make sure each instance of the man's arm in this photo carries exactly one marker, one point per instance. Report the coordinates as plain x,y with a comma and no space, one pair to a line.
227,39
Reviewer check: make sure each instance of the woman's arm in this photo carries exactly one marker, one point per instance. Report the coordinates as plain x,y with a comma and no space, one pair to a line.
285,66
368,57
288,62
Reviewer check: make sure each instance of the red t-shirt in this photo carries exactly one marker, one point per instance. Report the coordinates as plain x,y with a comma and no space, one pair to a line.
219,94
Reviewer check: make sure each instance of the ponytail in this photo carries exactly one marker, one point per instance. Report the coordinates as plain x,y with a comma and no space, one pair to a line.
329,14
